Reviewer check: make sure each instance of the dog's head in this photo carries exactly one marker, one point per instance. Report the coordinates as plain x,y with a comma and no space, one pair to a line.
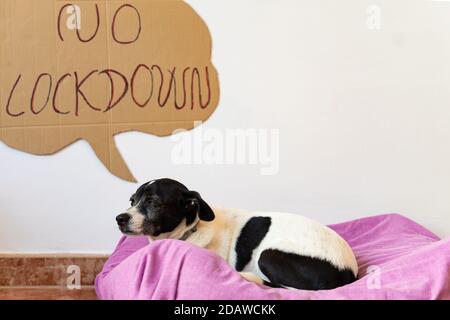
164,209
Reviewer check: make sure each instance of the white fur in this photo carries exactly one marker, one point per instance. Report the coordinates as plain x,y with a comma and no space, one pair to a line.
136,220
177,233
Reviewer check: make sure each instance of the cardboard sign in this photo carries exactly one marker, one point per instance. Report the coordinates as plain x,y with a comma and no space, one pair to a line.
92,69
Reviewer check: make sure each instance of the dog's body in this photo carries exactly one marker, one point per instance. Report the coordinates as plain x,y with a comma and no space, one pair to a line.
278,249
245,240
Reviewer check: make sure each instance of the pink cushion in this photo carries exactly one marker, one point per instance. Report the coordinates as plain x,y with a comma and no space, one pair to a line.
398,259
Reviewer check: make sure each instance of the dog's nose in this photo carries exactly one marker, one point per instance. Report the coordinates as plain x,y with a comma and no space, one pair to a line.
122,219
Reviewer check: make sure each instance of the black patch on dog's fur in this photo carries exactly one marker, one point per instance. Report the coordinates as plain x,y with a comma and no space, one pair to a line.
251,236
302,272
270,284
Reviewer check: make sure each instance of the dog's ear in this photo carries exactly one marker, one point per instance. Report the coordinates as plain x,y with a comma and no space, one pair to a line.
193,198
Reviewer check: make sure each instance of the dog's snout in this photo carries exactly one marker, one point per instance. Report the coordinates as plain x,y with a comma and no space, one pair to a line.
122,219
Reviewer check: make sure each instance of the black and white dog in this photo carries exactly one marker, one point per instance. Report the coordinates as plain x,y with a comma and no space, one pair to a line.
277,249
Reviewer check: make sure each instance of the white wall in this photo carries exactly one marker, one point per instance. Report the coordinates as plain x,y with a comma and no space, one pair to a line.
364,120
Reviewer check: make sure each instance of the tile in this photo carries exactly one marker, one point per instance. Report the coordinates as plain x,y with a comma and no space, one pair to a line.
19,271
47,293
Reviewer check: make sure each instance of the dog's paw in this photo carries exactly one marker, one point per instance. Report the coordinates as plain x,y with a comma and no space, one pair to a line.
251,277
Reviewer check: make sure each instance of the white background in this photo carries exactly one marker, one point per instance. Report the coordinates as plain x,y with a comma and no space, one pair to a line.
364,120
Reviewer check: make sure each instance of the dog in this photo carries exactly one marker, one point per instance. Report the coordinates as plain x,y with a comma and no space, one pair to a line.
274,249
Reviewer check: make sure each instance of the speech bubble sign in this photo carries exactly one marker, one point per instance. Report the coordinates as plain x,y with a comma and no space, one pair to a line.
93,69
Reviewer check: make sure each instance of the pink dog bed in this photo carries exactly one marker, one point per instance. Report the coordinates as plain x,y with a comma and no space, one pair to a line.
398,259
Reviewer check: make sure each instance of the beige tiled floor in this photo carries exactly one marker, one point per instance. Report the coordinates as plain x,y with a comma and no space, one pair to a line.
46,293
44,277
